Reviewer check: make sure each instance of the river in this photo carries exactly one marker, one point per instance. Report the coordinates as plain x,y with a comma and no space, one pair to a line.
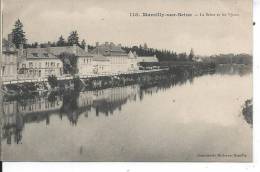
194,119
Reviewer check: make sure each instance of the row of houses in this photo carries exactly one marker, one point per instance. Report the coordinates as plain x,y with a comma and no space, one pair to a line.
31,63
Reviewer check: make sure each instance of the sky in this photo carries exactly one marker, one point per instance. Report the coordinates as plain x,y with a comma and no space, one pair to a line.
103,20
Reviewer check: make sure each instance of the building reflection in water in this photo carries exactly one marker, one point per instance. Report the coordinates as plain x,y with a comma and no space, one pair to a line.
19,112
72,104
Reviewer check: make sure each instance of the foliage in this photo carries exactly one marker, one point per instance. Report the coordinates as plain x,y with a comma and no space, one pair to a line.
53,81
162,55
69,63
83,44
247,111
191,56
230,59
182,57
18,34
61,41
73,38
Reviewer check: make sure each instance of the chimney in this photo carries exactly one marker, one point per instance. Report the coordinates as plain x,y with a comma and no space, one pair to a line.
20,50
75,49
10,37
86,48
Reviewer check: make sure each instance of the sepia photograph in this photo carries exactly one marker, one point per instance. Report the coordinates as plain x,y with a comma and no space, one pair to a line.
126,81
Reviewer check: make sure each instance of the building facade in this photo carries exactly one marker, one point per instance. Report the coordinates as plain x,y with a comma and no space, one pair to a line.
118,60
84,58
39,63
9,61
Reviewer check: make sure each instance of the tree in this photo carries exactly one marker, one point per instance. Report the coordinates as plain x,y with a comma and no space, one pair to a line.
61,41
83,44
145,46
183,56
73,38
18,34
191,56
53,81
69,63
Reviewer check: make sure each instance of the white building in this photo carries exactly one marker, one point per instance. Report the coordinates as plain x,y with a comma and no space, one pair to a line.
8,61
118,60
101,65
147,59
39,63
84,58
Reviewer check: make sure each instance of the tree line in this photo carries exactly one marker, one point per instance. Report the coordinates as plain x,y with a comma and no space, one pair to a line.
162,55
19,37
230,59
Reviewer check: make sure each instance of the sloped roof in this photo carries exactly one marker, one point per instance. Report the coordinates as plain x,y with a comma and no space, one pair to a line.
8,46
100,58
109,50
147,59
54,52
76,50
39,53
132,55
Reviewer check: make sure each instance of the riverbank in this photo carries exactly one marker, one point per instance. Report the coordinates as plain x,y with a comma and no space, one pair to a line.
247,111
99,81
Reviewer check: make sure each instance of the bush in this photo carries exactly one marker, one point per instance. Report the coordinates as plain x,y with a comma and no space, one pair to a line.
53,81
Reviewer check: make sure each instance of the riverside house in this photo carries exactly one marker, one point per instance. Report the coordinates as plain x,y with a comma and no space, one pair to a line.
84,58
38,63
148,59
9,61
44,62
113,55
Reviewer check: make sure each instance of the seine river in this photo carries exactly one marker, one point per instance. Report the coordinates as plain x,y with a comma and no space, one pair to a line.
194,119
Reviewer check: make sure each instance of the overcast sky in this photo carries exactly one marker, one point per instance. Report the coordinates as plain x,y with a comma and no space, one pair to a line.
109,20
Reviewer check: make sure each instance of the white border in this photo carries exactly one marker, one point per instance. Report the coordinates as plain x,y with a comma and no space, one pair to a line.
152,167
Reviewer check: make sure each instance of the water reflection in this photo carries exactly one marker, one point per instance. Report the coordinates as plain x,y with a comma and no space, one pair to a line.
228,69
73,106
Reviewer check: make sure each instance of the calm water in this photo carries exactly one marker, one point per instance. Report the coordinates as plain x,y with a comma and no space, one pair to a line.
180,121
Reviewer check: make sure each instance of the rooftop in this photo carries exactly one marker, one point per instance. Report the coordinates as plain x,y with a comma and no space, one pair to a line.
109,49
150,59
39,53
8,46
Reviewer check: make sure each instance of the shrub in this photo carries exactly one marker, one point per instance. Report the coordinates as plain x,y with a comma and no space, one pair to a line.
53,81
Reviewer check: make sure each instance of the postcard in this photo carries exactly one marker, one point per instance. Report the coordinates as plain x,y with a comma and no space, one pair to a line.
126,81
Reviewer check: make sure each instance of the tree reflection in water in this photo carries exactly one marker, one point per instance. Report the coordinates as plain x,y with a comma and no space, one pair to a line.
18,112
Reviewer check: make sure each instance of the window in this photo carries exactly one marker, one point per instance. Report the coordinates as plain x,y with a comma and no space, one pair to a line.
3,70
35,54
46,54
30,64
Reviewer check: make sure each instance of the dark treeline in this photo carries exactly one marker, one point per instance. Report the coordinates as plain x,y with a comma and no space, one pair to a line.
19,37
230,59
162,55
